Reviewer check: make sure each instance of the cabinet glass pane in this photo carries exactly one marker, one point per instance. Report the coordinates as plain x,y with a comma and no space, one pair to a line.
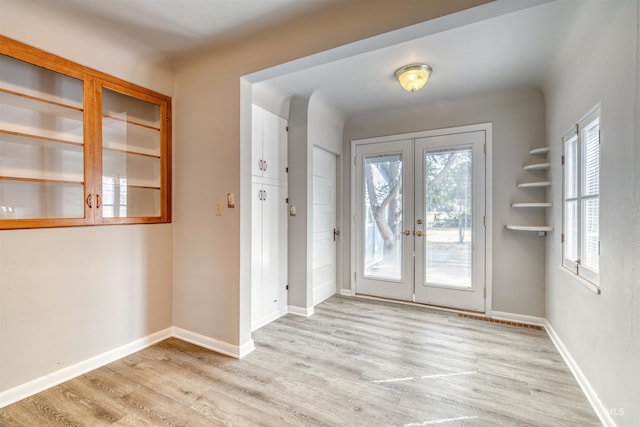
33,158
37,82
131,169
32,200
41,142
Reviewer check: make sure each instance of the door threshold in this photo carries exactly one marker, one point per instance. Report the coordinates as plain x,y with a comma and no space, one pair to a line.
418,304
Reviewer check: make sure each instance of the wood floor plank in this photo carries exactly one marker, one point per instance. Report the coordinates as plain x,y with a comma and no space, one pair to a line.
354,362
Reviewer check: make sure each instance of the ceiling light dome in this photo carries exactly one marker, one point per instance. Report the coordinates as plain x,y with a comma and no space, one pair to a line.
413,77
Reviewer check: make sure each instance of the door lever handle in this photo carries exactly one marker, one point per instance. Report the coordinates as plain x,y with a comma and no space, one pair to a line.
407,232
419,233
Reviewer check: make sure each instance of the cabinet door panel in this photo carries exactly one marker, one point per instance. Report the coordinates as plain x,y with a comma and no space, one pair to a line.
132,157
256,252
274,146
42,151
274,248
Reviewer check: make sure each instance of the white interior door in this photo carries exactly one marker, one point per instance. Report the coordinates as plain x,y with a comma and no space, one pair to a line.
449,215
384,211
324,225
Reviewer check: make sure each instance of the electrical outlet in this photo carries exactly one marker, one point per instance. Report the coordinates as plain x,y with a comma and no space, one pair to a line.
218,208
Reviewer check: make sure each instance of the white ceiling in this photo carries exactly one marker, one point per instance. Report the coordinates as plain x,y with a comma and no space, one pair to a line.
169,27
504,44
507,51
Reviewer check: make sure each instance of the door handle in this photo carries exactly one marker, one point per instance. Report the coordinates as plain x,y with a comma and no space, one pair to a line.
419,233
336,233
407,232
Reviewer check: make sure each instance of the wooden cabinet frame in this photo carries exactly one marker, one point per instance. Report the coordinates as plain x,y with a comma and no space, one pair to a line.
92,115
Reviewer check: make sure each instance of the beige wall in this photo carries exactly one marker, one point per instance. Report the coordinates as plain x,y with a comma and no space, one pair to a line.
518,125
207,293
69,294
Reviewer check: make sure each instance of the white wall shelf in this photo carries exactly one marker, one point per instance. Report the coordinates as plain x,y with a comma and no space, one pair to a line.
531,205
540,150
538,228
534,184
537,166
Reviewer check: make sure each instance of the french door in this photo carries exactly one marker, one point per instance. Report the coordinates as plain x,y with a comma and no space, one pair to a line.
419,220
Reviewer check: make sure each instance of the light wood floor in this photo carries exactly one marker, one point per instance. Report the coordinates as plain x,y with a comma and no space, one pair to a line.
353,363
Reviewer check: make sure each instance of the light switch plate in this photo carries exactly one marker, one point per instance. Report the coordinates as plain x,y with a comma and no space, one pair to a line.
231,200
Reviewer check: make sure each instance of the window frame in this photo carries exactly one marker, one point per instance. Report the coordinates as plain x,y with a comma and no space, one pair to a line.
578,196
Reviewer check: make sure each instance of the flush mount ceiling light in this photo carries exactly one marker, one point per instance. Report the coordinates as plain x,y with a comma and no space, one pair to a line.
413,77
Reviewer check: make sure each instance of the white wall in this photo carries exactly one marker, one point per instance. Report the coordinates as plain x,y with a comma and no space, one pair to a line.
518,125
598,64
68,294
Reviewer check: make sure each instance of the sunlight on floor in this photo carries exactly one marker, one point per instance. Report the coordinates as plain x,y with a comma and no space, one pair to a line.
424,377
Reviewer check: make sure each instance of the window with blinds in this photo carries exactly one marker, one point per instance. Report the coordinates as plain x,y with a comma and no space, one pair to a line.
581,198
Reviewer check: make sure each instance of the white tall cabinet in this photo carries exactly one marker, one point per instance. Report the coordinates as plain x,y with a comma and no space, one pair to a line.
269,217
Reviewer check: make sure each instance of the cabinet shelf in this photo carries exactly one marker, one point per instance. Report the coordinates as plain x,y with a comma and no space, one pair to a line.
135,122
534,184
531,205
537,166
544,228
31,136
46,134
129,151
539,150
144,187
40,105
42,180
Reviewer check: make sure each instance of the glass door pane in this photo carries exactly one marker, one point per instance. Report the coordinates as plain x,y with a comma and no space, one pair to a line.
131,154
449,212
383,217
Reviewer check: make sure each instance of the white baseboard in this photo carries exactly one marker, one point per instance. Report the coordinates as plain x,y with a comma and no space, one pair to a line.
346,292
222,347
594,400
268,319
301,311
518,318
58,377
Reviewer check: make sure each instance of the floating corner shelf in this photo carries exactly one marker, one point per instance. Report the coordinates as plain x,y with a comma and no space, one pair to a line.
537,166
539,150
532,205
529,227
537,184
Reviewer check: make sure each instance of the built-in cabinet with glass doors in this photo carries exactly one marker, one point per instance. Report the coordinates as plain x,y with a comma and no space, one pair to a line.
79,147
